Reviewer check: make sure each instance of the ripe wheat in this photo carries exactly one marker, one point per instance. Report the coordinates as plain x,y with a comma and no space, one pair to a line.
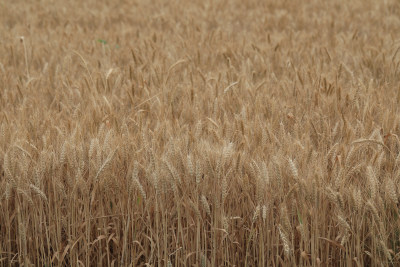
199,133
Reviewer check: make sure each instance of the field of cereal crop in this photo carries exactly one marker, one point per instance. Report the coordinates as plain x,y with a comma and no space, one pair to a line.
199,133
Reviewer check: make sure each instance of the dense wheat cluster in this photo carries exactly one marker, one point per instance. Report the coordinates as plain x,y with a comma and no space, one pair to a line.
199,133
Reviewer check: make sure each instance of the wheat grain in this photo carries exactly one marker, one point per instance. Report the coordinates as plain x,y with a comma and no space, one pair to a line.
256,213
190,166
285,240
391,190
372,182
205,204
264,213
106,163
38,191
358,200
293,169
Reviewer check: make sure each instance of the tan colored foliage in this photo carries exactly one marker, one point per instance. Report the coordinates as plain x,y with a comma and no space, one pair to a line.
199,133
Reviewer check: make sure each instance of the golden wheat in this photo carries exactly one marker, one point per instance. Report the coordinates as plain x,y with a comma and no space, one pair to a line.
199,133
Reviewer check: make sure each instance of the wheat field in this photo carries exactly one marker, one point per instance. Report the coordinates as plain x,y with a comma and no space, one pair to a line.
199,133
